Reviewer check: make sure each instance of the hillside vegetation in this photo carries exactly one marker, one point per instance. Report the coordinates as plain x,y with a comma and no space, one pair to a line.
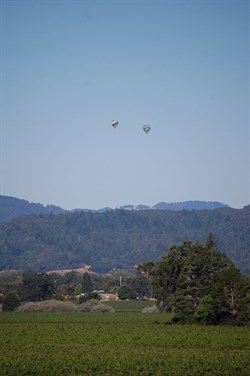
12,207
118,238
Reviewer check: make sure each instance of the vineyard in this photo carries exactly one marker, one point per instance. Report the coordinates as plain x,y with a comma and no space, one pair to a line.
120,343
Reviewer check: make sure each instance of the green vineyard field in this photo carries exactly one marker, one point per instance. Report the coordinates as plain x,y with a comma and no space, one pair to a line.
120,343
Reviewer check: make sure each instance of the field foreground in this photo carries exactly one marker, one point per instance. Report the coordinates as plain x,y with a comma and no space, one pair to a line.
123,343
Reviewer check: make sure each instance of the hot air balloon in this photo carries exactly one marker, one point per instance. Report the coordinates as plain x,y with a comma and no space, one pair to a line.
146,128
115,123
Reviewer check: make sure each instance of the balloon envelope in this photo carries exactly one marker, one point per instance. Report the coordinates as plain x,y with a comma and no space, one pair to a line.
146,128
115,123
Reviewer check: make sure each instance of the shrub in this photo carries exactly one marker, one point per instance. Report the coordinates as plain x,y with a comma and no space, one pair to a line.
94,306
152,309
48,305
102,308
89,296
182,319
59,297
10,301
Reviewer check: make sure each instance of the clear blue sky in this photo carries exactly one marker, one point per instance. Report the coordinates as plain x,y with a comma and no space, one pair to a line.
70,67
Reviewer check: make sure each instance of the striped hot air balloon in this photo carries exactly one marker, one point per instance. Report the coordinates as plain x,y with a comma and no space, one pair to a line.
146,128
115,123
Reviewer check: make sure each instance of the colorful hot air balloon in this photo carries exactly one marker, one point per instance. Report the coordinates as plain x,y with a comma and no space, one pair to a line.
115,123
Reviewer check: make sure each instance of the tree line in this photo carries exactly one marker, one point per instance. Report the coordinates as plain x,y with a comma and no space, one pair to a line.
194,281
17,287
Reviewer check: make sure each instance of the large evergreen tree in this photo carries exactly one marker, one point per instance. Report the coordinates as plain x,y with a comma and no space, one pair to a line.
87,285
36,286
229,299
186,274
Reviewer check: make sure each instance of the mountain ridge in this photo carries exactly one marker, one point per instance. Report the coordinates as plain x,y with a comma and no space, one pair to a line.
12,207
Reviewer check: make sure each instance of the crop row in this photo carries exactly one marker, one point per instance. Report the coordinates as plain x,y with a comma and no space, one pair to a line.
54,344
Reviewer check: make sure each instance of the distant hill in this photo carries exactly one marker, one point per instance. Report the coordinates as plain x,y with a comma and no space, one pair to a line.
190,205
12,207
176,206
118,238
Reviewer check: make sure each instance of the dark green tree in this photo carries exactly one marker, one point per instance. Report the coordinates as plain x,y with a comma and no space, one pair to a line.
87,285
211,242
124,292
37,286
185,275
9,281
10,301
89,296
231,296
229,300
205,311
139,287
146,268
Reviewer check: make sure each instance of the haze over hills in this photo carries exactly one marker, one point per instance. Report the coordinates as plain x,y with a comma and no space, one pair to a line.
118,238
12,207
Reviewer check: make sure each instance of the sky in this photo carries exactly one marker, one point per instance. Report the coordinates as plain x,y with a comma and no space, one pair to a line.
70,67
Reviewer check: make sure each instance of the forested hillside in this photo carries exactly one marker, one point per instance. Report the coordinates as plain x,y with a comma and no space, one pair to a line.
12,207
118,238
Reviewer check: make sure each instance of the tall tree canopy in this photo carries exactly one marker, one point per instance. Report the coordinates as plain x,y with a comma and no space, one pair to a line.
186,274
228,301
87,284
37,286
